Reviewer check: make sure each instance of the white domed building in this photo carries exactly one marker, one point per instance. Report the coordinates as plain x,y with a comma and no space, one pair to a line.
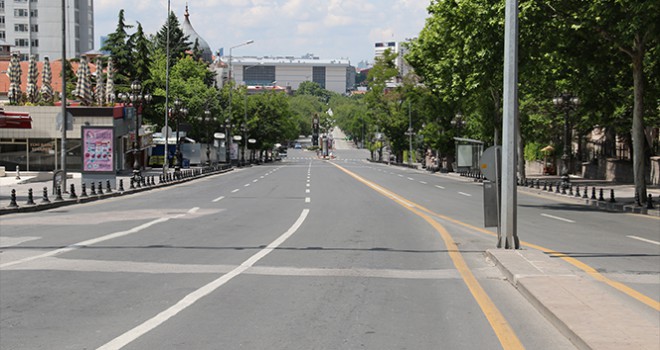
192,35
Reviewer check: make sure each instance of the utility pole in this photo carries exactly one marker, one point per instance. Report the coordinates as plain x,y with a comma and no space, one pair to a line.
63,99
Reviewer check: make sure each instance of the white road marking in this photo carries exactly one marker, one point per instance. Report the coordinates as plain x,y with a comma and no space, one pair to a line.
307,185
307,200
423,182
644,240
307,190
411,179
465,194
234,191
255,180
400,175
12,241
440,187
557,218
193,210
218,199
92,241
246,185
193,297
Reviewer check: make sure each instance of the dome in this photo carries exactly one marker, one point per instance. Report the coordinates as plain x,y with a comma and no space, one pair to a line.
188,30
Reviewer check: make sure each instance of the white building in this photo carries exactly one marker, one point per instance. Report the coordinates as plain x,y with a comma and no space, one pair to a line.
332,74
398,48
34,27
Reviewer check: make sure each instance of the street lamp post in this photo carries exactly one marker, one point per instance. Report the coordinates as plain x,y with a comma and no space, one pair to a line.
205,121
243,130
458,122
138,100
566,102
178,112
228,126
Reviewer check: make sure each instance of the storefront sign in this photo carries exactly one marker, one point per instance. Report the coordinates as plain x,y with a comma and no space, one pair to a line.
98,149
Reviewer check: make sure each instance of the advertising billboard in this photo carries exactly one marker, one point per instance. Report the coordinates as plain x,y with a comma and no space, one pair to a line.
98,149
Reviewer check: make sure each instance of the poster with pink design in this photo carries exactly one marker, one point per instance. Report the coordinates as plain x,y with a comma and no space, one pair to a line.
98,149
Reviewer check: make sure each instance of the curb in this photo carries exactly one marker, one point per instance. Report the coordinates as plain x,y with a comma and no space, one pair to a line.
91,198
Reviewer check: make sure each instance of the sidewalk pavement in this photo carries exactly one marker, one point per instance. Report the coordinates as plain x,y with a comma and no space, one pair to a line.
591,314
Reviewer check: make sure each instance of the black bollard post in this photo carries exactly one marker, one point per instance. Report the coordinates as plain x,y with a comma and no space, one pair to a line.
538,184
593,192
153,180
72,189
132,184
83,194
108,189
600,195
44,197
577,191
558,187
545,185
121,185
649,202
59,198
93,190
12,201
550,187
638,201
612,200
30,200
138,183
100,191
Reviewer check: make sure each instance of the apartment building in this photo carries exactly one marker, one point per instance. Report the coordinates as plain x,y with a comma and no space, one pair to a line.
34,27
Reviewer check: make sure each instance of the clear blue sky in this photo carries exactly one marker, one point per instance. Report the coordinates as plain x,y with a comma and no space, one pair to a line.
326,28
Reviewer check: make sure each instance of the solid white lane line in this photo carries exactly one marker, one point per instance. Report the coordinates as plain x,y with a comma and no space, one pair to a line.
234,191
465,194
557,218
193,297
218,199
440,187
91,241
644,240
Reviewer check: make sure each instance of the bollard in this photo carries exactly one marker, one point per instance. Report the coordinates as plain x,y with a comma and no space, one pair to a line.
100,191
138,183
545,185
93,191
108,189
12,202
83,194
612,200
584,192
538,184
59,198
649,202
550,187
72,195
638,201
557,187
600,195
593,192
30,200
577,191
121,185
132,184
44,198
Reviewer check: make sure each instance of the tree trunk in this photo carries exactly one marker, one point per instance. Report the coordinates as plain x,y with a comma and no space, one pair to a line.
638,122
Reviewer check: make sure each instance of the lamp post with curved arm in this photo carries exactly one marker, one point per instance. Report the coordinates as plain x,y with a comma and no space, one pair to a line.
138,100
178,112
566,103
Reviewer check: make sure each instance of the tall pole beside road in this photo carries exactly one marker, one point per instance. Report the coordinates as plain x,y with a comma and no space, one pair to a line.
510,123
167,92
63,99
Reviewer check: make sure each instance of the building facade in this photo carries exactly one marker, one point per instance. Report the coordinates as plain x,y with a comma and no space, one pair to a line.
335,74
34,27
400,50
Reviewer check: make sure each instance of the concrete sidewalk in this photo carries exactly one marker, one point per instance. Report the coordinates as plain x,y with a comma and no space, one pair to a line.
591,314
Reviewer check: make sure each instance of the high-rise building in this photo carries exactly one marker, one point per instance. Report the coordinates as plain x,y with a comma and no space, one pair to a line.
400,50
34,27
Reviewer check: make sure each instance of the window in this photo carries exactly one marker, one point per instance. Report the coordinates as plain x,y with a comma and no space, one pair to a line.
20,27
318,76
34,42
20,12
34,27
3,35
258,75
34,13
21,42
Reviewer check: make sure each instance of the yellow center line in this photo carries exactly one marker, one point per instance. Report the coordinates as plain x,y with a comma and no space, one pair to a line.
646,300
507,337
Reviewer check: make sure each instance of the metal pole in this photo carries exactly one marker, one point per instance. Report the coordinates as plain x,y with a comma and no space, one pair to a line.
565,156
167,91
510,121
63,100
410,131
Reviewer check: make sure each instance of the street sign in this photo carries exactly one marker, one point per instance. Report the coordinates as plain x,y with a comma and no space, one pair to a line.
69,121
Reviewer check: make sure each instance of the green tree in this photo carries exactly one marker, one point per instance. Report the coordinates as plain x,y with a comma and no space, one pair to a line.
141,54
179,43
313,89
119,46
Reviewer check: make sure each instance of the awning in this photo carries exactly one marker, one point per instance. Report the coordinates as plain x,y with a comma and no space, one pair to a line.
15,120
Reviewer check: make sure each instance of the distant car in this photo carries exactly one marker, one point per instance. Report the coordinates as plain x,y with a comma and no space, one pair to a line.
297,146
